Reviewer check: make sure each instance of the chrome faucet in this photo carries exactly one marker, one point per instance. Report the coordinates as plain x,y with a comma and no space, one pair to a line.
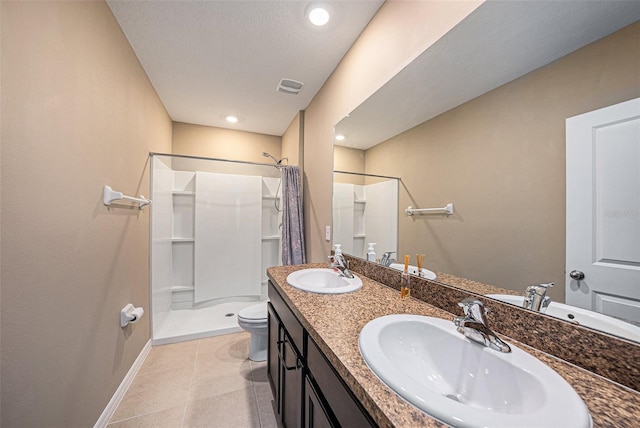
386,259
473,325
338,263
535,297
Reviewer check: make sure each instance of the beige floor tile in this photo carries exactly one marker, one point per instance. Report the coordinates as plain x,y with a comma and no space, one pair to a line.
233,410
213,367
259,371
265,405
170,356
169,418
228,348
205,383
220,379
154,392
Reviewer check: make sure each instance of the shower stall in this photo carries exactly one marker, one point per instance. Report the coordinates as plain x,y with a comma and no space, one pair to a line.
215,229
365,209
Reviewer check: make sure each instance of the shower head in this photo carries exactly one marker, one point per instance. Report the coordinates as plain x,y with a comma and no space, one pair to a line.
267,155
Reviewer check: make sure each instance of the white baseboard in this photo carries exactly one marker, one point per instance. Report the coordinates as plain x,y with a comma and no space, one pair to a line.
108,412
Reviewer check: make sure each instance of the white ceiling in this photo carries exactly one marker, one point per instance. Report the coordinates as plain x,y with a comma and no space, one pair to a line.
499,42
210,59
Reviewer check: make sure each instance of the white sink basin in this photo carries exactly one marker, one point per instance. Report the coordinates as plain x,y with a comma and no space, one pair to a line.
413,270
320,280
582,317
464,384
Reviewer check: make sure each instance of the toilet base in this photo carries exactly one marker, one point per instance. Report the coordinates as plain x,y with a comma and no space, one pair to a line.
258,347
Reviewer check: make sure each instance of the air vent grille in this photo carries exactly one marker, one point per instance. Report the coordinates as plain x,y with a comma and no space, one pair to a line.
290,86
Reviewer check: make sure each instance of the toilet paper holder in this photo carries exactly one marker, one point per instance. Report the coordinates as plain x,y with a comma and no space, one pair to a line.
130,314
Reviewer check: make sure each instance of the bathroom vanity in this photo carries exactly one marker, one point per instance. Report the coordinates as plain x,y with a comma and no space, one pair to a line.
319,378
306,389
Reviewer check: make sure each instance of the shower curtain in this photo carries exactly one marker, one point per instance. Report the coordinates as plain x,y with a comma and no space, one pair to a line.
292,217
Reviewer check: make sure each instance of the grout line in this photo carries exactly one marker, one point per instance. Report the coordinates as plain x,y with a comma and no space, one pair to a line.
255,393
193,372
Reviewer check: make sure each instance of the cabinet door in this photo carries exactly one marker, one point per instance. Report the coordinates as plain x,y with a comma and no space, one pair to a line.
292,384
273,363
345,408
315,414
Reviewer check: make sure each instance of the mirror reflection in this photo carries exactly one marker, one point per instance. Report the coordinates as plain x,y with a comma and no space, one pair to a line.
496,149
365,215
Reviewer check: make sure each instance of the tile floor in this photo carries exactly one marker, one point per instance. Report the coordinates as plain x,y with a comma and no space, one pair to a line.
201,383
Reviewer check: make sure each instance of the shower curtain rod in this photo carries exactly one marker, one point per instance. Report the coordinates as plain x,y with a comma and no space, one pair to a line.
215,159
367,175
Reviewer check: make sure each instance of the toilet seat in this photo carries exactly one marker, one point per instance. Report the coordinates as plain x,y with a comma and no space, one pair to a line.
254,314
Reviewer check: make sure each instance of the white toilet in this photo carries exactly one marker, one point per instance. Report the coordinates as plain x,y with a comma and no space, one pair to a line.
254,320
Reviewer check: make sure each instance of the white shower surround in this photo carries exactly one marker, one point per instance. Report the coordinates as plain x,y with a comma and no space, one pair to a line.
228,270
228,220
363,214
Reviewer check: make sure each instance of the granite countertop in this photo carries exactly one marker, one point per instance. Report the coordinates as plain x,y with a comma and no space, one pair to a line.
334,323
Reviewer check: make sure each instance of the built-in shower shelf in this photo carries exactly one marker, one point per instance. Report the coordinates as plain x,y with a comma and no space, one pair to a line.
270,197
359,236
182,288
359,201
271,238
184,192
183,240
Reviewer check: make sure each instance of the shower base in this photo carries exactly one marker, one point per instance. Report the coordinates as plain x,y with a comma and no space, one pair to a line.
192,324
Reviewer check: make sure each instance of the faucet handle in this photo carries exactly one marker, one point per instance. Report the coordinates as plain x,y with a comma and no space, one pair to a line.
539,289
475,309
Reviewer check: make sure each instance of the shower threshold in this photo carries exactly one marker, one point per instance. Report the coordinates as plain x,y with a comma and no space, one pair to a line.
192,324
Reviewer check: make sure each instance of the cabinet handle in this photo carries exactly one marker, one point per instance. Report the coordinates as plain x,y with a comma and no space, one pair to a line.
284,342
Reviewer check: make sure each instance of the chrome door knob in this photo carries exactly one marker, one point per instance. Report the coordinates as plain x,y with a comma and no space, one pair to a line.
576,274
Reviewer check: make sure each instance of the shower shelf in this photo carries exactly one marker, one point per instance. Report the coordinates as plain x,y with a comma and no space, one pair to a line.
359,201
184,192
183,239
271,238
270,197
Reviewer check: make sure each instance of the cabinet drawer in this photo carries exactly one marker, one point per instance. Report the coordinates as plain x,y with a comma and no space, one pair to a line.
287,318
343,404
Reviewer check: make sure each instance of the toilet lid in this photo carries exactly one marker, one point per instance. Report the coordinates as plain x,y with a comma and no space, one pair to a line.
254,312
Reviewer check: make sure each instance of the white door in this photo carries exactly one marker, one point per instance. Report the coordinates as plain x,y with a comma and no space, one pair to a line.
603,210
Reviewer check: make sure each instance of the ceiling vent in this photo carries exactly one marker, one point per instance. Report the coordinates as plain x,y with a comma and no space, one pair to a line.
290,86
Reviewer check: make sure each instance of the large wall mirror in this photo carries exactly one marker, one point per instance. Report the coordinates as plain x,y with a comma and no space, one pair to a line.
479,120
365,213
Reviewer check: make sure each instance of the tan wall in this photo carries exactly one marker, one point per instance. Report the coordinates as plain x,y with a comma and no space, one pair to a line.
292,140
500,159
208,141
349,160
78,112
397,34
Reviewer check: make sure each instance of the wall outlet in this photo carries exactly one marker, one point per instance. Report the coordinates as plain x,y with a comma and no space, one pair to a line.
327,233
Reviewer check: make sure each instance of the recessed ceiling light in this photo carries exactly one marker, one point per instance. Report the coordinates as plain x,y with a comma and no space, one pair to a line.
231,119
318,14
339,137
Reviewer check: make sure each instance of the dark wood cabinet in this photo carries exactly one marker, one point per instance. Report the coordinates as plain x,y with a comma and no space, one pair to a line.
306,389
273,361
315,414
285,363
292,375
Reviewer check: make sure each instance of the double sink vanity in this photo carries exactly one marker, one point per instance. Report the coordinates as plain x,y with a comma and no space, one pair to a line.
356,354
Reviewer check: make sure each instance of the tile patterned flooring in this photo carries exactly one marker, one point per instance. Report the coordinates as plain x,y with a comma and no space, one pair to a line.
201,383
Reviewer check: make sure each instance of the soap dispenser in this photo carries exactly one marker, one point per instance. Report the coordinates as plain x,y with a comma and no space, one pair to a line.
371,252
337,250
